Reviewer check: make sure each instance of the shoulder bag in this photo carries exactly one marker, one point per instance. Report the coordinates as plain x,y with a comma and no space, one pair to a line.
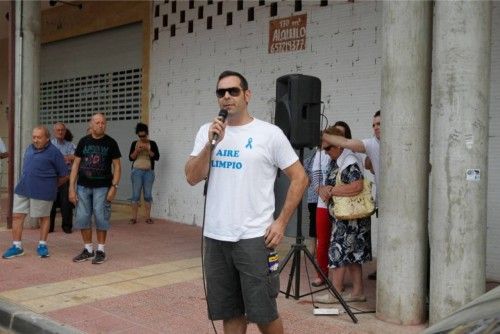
361,205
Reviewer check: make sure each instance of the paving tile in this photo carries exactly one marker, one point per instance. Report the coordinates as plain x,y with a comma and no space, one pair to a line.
158,293
105,324
135,330
169,278
124,288
51,303
71,315
103,279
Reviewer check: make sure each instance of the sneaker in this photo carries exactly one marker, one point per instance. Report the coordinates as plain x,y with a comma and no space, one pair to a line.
42,251
317,282
348,298
325,298
99,258
13,251
328,298
83,256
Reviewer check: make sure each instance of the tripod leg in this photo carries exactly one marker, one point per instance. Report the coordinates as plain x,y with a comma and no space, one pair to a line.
290,276
331,287
286,259
297,275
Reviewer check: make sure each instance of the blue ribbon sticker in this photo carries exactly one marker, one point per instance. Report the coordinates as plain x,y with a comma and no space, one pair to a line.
249,144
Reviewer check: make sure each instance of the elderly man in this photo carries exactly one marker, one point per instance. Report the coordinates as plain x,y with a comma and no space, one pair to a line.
67,149
43,171
93,184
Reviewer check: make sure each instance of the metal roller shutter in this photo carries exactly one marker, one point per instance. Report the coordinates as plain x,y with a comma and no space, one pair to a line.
99,72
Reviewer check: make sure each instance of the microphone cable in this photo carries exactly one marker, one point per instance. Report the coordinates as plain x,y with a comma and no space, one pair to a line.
222,116
205,191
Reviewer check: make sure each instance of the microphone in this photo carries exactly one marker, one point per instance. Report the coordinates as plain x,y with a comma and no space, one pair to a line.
222,117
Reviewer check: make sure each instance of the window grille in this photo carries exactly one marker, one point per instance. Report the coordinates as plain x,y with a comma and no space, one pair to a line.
75,100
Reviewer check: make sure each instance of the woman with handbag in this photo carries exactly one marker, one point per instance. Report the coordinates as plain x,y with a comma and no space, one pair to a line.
350,243
323,224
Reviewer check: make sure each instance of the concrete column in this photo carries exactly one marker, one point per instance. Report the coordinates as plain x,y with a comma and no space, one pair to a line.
405,107
28,17
460,99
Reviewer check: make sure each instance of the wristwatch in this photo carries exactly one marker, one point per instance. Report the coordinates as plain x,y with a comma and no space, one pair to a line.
115,185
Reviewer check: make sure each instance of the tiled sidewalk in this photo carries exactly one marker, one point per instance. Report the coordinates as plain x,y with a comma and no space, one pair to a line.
151,283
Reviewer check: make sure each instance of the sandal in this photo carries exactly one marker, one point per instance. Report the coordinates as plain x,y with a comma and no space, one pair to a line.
317,282
149,221
132,221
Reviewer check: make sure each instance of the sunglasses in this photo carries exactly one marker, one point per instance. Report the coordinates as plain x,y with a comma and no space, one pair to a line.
142,136
328,148
233,91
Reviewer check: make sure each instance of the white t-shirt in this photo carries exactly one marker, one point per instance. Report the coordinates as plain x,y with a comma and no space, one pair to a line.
240,198
372,148
320,163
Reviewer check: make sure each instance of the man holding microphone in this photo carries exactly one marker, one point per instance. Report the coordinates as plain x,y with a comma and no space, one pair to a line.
240,232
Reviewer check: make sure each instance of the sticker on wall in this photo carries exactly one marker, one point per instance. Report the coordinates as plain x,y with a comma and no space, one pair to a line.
288,34
473,175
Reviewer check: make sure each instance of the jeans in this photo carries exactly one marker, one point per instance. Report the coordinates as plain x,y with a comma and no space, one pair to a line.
92,201
142,180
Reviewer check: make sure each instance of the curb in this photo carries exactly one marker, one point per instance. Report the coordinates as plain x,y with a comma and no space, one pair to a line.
17,319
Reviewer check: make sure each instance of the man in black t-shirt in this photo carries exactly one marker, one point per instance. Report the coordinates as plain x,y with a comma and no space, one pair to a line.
97,183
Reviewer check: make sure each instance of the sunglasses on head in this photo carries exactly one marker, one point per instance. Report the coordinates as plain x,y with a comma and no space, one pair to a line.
233,91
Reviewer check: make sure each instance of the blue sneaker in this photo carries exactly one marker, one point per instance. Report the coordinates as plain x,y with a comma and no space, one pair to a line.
13,251
42,250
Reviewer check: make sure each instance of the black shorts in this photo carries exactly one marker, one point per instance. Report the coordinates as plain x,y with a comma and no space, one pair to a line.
239,281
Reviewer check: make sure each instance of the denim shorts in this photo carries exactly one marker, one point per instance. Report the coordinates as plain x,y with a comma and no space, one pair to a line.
142,180
239,281
92,201
35,207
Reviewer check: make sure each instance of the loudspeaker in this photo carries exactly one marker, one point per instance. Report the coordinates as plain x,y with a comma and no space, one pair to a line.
298,109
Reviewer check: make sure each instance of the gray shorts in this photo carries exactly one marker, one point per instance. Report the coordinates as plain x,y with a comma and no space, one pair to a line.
239,281
36,208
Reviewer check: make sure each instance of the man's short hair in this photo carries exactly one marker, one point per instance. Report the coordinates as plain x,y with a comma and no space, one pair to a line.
243,81
60,123
98,114
46,131
377,114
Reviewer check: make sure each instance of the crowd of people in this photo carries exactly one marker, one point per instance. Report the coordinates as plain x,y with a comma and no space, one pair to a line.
85,177
238,157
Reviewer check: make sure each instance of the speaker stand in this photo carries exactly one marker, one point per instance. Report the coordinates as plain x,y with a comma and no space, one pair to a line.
295,254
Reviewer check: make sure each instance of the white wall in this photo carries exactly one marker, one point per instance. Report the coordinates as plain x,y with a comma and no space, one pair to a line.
343,50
